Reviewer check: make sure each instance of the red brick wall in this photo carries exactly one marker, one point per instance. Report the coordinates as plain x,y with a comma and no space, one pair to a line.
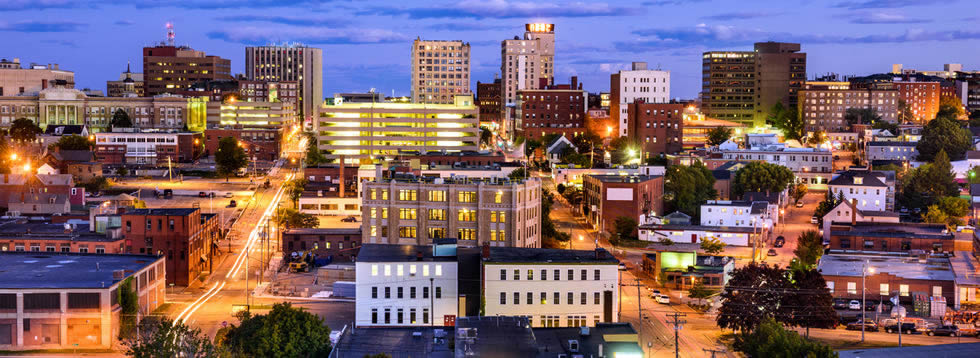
342,247
650,190
259,147
893,244
922,97
559,111
183,245
658,126
873,284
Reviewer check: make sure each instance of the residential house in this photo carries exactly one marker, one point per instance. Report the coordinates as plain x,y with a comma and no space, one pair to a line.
866,188
684,269
848,211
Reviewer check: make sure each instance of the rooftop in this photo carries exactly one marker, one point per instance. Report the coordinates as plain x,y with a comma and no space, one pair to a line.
397,342
858,178
906,267
733,229
901,230
13,230
616,339
399,253
958,350
632,178
324,231
966,268
37,270
546,256
758,207
162,211
456,180
892,144
494,336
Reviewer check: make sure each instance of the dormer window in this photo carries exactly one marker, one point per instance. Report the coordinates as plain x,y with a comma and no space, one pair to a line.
858,181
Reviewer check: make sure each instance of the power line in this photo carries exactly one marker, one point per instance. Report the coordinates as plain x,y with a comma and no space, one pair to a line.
677,322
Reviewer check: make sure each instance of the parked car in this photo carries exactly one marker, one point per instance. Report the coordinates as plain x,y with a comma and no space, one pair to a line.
202,195
622,266
944,330
771,252
349,219
780,241
854,305
965,229
868,326
232,204
663,299
228,194
814,220
840,303
653,292
907,328
799,204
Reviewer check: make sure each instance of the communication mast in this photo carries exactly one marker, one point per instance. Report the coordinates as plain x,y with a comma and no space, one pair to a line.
170,34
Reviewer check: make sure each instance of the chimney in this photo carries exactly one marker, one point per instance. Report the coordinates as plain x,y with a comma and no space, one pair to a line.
418,256
485,252
574,83
600,254
854,209
342,178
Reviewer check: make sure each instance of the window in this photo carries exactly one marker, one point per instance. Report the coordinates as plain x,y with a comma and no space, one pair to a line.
883,289
384,214
869,244
407,195
437,232
517,275
409,232
906,245
387,315
557,275
467,197
937,290
387,292
557,298
502,216
438,292
401,292
437,195
544,298
503,275
903,290
387,270
467,234
530,275
852,288
582,300
467,215
830,286
374,315
425,316
584,277
401,313
374,292
530,298
374,270
498,197
595,298
596,275
845,243
438,270
437,214
411,316
571,298
571,275
406,214
503,298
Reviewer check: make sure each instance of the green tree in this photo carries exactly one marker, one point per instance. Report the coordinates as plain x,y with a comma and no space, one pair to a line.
560,188
313,155
809,248
97,184
829,203
549,233
944,134
161,337
73,142
699,292
292,219
787,120
809,304
24,130
797,192
753,294
858,115
954,206
687,187
587,142
625,228
885,125
950,107
905,114
518,174
712,245
934,215
295,188
120,119
770,339
972,176
230,157
718,135
122,171
761,177
284,332
129,308
816,139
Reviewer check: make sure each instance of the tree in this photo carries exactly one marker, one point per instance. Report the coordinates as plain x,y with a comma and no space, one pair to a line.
486,137
587,142
761,177
809,248
950,107
809,304
712,245
230,157
560,188
292,219
787,120
798,191
829,203
923,186
816,139
129,308
699,292
954,206
687,187
295,188
905,114
73,142
944,134
885,125
753,294
122,171
625,228
972,176
120,119
313,155
518,174
161,337
97,184
284,332
859,115
770,339
934,215
24,130
718,135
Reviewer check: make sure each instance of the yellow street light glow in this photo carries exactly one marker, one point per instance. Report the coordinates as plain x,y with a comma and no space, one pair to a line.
632,152
27,167
13,156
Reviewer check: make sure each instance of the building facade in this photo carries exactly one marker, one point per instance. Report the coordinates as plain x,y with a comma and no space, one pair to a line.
891,237
128,84
552,109
524,61
259,143
406,285
608,197
488,99
639,83
440,70
290,63
147,147
865,188
333,244
241,114
168,69
658,127
824,105
890,151
922,98
16,80
742,86
186,237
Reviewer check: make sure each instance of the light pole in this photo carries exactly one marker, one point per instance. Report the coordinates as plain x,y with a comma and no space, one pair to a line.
864,291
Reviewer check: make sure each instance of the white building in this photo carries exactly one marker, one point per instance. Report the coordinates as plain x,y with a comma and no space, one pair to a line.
627,86
799,160
554,288
566,174
866,187
888,150
847,212
406,285
758,214
730,235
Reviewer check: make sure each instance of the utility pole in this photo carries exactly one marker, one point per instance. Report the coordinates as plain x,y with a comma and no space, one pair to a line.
677,328
714,351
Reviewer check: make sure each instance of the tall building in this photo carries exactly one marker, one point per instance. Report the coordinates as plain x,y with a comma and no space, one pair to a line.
186,236
168,68
921,97
823,105
742,86
657,127
128,84
552,109
440,70
524,61
488,99
362,130
20,81
292,63
652,86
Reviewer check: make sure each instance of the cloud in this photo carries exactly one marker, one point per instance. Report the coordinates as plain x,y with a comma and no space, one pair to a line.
65,43
124,23
17,5
888,4
884,18
740,15
222,4
723,36
670,2
285,20
252,35
41,26
467,26
507,9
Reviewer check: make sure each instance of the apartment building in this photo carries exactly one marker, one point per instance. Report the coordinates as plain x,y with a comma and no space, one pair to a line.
658,127
16,80
73,301
524,61
147,147
742,86
921,97
186,236
608,197
638,83
489,100
362,130
299,64
168,68
552,109
739,213
552,287
497,212
799,160
824,105
440,70
332,244
877,151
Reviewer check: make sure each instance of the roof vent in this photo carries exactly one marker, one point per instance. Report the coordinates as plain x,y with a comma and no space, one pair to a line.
118,275
573,345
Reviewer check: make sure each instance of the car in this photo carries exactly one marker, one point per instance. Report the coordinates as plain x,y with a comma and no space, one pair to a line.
349,219
836,157
799,204
840,303
228,194
965,229
868,326
202,194
944,330
814,220
232,204
653,292
780,241
904,210
907,328
772,252
622,266
854,305
663,299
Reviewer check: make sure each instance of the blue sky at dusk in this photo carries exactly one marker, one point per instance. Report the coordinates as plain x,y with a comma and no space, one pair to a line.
366,43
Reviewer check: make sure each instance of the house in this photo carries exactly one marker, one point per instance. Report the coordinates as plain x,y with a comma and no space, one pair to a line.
686,233
557,147
39,204
739,213
847,211
723,178
866,188
877,152
683,269
12,185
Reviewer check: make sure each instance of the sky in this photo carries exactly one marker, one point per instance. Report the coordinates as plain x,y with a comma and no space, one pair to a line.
366,43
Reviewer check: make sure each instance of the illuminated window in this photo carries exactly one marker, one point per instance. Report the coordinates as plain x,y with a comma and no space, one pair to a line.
407,214
437,195
408,232
437,214
407,195
467,197
467,215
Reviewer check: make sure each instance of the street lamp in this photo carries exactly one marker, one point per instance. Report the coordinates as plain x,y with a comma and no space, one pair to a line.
864,273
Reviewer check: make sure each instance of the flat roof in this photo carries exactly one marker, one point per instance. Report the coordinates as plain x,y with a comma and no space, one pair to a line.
957,350
735,229
630,178
35,270
162,211
907,267
887,143
900,230
498,336
15,230
395,341
965,268
399,253
325,231
545,256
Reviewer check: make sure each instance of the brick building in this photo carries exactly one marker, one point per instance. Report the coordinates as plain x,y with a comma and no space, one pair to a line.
608,197
335,244
147,147
889,275
168,69
890,237
185,236
259,143
552,109
488,99
659,127
13,185
921,97
20,235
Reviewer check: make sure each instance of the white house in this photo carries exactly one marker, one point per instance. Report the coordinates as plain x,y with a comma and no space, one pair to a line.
847,212
693,234
553,287
738,213
406,285
867,187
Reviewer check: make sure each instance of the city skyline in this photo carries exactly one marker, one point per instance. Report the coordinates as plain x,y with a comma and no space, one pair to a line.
368,45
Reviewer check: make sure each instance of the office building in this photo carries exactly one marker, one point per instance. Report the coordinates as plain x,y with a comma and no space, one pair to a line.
657,127
742,86
824,105
128,84
362,130
168,69
185,236
147,147
489,101
552,287
638,83
608,197
473,211
290,63
71,301
524,62
552,109
440,70
29,81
